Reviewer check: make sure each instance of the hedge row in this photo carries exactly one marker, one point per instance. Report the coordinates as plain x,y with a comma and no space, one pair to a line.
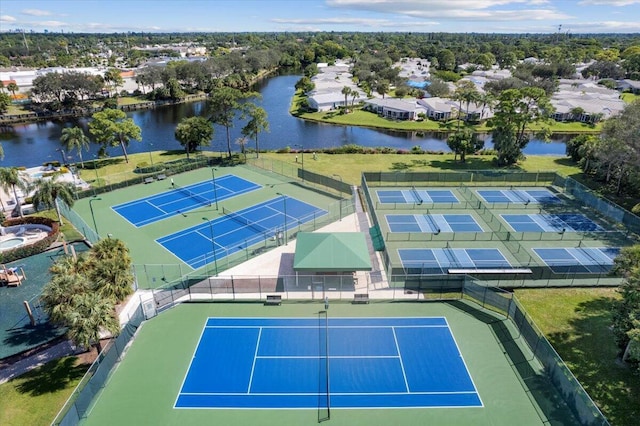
37,247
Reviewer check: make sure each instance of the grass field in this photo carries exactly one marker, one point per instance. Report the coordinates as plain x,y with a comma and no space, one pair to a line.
577,322
35,398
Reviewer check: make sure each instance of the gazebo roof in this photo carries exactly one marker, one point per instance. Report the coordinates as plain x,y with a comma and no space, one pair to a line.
331,252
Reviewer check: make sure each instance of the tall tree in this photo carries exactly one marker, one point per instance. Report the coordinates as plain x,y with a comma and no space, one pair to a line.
13,88
109,269
465,92
74,138
111,127
113,78
515,111
193,132
10,180
47,192
382,87
225,103
5,101
257,123
626,317
91,315
346,91
464,142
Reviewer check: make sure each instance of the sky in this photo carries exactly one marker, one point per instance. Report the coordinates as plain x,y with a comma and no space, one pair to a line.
454,16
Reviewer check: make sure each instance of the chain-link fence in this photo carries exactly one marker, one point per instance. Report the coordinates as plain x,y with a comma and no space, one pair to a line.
82,398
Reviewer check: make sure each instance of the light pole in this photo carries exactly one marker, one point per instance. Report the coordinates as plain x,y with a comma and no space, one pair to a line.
150,157
284,200
215,191
340,200
213,244
95,226
302,155
64,157
95,167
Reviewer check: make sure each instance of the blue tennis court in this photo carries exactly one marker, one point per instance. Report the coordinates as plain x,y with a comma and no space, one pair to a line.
438,261
311,363
238,230
432,223
551,223
590,260
518,196
156,207
419,196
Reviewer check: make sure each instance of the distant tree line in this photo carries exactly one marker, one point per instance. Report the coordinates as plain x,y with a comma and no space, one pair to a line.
613,157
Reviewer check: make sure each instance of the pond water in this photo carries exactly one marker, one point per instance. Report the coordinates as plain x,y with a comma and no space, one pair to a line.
36,143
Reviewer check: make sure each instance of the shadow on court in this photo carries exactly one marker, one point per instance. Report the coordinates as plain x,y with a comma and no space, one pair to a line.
541,390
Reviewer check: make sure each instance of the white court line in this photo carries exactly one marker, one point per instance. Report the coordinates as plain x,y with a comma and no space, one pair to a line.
255,356
331,326
475,388
404,375
193,356
330,357
332,393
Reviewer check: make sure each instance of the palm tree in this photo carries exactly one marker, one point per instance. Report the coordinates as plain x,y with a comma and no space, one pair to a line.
346,91
57,296
89,316
354,95
74,138
10,180
110,269
47,192
13,88
257,123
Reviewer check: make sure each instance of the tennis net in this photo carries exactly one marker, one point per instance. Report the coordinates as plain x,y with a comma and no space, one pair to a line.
416,195
432,223
199,198
324,407
520,197
245,221
451,257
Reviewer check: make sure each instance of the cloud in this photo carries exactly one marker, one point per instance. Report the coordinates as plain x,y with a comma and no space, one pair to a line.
7,19
615,3
464,10
36,12
336,21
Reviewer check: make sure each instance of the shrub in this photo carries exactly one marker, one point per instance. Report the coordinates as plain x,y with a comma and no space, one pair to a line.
33,248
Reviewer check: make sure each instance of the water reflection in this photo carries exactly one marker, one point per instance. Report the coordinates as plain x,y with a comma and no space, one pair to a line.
33,144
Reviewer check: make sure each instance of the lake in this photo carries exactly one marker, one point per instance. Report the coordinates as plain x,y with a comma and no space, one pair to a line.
36,143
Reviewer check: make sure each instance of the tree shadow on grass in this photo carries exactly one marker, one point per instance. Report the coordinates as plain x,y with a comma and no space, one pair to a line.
472,163
52,377
589,348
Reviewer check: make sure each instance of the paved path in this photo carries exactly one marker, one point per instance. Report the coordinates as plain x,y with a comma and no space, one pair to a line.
27,364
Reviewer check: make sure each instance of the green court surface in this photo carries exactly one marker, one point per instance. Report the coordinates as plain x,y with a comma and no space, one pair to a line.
142,241
513,390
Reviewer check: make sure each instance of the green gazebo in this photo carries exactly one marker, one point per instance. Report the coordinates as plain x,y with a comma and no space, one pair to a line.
328,257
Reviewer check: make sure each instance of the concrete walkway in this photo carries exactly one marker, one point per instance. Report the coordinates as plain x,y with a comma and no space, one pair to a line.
27,364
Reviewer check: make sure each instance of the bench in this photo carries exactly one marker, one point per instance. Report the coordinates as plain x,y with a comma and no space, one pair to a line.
273,299
161,176
148,179
360,298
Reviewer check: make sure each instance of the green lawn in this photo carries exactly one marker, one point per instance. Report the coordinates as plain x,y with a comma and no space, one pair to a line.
36,397
577,323
350,166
